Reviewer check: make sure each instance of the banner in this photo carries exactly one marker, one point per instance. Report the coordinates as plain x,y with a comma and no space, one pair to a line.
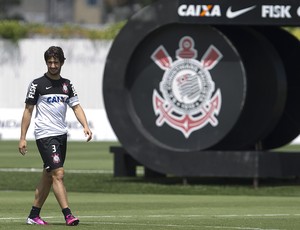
237,12
10,125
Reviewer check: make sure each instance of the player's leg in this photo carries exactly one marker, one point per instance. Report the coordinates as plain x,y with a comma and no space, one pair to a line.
42,189
61,196
58,180
41,193
44,186
59,148
59,187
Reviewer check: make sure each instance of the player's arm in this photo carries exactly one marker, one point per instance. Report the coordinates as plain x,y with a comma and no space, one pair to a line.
27,114
80,115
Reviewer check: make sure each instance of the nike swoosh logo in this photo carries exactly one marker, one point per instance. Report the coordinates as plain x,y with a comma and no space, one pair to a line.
233,14
48,87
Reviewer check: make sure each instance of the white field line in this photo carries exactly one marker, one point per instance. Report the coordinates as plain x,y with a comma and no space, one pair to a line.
133,217
240,228
138,171
67,170
186,226
164,216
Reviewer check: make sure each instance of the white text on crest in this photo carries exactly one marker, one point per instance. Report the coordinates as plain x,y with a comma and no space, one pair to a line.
199,10
277,11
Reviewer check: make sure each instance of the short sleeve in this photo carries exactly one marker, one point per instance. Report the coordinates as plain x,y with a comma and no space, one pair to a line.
32,94
73,97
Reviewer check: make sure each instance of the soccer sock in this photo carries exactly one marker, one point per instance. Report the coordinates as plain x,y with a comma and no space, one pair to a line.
66,212
35,212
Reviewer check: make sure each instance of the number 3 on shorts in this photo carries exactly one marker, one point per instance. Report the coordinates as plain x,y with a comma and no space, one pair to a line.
53,149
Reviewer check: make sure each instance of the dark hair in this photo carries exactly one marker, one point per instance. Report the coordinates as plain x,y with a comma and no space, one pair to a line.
56,52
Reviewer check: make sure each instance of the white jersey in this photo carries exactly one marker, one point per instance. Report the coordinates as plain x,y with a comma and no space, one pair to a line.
51,98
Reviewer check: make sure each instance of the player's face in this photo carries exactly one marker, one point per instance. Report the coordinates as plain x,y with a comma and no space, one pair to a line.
54,66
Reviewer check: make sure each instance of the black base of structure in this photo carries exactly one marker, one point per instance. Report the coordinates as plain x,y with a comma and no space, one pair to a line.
126,166
234,164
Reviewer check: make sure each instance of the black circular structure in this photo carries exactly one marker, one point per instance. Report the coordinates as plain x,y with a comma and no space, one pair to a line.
174,89
165,114
266,89
288,47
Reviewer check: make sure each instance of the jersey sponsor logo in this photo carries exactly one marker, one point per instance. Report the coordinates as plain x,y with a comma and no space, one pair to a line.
57,99
188,100
276,11
199,10
32,90
233,14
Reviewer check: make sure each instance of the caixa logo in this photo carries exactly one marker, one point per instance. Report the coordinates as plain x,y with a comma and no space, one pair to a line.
188,100
185,10
57,99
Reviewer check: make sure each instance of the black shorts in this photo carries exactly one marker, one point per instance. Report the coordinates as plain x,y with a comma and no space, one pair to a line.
53,151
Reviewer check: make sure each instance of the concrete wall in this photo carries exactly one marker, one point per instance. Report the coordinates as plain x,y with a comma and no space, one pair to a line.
20,63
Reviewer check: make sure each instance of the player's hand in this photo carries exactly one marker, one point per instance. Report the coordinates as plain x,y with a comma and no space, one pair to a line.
88,133
23,147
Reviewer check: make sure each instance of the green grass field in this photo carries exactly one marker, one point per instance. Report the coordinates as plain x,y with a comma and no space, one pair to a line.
102,201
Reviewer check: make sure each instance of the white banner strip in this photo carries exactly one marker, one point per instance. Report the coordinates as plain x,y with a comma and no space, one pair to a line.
10,121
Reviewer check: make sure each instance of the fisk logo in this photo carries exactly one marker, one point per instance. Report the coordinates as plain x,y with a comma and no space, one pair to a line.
277,11
73,89
31,90
199,10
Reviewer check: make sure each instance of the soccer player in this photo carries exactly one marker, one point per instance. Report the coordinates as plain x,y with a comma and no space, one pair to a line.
51,94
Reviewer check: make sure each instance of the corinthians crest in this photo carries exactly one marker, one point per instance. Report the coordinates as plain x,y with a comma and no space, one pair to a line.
188,100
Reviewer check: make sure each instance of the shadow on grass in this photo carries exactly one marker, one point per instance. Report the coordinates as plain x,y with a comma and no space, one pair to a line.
211,181
107,183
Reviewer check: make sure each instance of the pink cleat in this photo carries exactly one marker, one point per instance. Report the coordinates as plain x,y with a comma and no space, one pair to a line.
71,220
37,220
